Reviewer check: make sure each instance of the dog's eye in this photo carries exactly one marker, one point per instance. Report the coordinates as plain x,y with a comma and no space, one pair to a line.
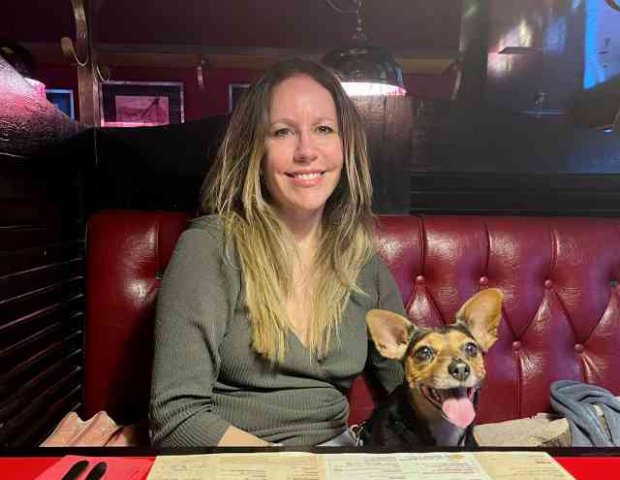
424,354
471,349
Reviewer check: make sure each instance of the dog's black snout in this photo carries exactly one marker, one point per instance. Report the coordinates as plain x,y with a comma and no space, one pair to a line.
459,370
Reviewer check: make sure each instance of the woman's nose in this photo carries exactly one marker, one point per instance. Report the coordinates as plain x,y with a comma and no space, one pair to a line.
305,150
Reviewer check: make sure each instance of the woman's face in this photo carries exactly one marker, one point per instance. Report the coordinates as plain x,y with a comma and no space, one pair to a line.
304,158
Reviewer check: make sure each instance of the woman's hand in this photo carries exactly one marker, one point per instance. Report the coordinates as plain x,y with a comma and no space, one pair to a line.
233,437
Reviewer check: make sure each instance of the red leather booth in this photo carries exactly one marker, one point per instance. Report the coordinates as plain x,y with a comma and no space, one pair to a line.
561,314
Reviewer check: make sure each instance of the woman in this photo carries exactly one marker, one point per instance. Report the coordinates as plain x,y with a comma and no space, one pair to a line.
260,325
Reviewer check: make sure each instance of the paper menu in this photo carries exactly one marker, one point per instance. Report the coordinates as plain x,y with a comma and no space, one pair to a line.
395,466
511,465
239,466
402,466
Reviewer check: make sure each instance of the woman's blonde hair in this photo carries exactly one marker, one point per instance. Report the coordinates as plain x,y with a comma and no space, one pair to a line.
234,190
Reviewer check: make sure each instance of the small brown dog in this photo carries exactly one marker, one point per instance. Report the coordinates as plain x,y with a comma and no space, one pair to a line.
444,369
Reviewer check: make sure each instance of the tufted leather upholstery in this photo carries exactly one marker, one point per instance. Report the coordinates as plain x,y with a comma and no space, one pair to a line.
127,252
561,315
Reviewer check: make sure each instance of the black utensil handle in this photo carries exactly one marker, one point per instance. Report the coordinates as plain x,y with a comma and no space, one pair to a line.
97,472
76,470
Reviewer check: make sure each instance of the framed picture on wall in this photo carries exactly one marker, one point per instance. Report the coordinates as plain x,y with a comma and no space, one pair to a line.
63,99
235,90
141,104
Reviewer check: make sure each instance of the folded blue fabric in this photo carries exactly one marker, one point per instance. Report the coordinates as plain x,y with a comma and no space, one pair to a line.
576,400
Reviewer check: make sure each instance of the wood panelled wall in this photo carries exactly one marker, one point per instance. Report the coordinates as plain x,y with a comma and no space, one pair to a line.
516,194
41,266
484,158
450,157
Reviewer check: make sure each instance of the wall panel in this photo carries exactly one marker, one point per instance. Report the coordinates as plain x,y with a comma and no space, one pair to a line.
41,265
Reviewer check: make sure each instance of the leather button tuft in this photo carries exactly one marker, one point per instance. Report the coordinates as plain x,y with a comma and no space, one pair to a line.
516,346
548,284
159,275
579,348
419,280
484,281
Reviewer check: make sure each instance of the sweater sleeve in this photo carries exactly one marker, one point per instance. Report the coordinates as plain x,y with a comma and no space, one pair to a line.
388,374
193,308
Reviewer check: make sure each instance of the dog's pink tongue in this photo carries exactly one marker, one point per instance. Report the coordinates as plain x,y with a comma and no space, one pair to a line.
459,411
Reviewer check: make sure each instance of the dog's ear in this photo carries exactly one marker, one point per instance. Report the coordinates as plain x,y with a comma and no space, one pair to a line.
390,332
481,314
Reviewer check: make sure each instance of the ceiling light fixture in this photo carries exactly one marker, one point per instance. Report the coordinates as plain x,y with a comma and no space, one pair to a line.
615,4
365,69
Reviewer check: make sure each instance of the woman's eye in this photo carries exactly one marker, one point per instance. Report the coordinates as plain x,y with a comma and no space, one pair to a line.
471,349
324,129
281,132
424,354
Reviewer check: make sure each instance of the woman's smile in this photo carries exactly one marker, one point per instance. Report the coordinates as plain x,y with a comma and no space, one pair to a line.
306,179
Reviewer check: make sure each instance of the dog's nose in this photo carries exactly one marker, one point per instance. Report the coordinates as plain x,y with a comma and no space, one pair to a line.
459,370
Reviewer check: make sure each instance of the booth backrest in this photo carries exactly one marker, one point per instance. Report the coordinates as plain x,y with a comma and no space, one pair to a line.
561,312
127,252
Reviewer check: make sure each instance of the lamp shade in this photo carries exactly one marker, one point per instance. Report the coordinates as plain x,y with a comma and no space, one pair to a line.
365,69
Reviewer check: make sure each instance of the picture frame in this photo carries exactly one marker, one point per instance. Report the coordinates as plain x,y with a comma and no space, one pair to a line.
235,91
141,104
63,99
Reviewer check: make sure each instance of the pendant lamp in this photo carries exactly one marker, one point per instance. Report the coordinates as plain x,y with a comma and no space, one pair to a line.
365,69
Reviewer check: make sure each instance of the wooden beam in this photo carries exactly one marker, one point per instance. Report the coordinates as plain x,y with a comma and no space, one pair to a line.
474,46
165,56
425,66
85,57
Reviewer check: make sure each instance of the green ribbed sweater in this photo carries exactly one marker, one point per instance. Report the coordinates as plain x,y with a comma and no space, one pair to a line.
207,377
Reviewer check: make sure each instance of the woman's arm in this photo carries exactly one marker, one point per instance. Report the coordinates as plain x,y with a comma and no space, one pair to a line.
196,298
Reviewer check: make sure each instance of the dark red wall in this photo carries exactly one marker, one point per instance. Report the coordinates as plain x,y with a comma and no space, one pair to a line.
214,99
435,87
60,76
198,103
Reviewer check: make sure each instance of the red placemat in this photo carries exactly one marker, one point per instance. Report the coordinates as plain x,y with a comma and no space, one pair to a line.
29,468
582,468
20,468
591,468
